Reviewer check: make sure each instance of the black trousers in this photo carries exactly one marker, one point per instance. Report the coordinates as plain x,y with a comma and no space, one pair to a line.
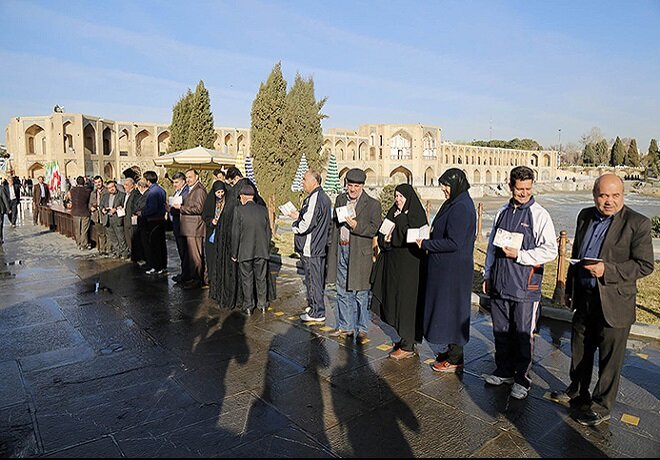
182,250
590,333
2,225
314,268
155,247
13,206
253,275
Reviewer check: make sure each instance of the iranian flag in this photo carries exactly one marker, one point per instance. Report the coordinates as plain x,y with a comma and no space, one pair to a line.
53,175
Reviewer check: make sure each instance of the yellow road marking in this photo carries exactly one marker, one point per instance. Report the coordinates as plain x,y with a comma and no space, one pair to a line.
279,313
326,328
643,355
384,347
429,361
630,419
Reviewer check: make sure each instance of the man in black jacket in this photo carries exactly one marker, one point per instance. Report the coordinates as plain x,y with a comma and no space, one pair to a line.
251,248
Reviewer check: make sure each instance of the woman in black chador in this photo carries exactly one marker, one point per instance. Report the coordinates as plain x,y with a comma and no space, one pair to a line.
397,285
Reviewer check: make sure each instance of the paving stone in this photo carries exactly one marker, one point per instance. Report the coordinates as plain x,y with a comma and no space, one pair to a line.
413,426
17,437
73,421
311,402
40,338
287,443
242,419
99,448
506,445
39,311
57,358
213,383
11,386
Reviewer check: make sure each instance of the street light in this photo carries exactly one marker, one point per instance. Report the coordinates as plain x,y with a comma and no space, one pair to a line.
559,154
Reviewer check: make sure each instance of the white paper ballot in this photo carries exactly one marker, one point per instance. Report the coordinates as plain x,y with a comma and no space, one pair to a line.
504,238
287,208
585,261
121,212
386,227
176,200
414,234
344,212
133,220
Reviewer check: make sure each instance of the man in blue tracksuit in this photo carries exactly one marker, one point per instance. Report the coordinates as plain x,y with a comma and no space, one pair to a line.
512,278
311,229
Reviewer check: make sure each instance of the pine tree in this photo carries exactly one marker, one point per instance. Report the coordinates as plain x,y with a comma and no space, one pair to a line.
589,155
602,152
632,156
266,136
201,130
297,185
180,123
618,153
331,183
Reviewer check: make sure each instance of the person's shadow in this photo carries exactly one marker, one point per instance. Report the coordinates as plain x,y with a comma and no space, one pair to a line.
387,429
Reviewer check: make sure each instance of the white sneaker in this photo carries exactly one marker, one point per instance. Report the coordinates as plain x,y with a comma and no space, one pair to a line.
305,317
497,381
307,309
162,271
518,391
151,271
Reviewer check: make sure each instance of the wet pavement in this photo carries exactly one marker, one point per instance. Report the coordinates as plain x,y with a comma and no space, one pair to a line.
99,360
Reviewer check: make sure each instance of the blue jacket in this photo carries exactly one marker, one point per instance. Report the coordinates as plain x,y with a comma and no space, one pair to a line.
312,227
154,209
520,279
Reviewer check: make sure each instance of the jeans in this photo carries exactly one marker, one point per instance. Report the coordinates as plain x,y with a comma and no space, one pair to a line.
352,306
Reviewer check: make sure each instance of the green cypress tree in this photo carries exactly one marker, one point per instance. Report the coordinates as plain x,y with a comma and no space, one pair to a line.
602,152
618,153
201,130
589,155
266,136
180,123
652,159
302,125
632,156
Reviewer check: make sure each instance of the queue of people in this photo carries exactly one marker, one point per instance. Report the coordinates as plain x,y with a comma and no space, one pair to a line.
421,285
417,278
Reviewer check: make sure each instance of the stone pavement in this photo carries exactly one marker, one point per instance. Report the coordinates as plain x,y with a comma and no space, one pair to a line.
99,360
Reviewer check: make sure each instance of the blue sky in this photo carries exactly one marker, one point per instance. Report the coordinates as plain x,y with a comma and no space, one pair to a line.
531,67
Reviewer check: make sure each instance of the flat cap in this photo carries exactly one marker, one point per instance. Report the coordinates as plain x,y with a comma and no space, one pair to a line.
356,176
247,190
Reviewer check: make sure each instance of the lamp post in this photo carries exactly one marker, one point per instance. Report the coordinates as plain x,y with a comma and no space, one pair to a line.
559,154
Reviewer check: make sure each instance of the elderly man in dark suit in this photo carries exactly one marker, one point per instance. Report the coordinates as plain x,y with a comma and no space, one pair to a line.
350,254
40,197
251,249
615,249
112,218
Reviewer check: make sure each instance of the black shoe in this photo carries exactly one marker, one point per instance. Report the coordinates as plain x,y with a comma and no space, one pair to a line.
590,418
176,278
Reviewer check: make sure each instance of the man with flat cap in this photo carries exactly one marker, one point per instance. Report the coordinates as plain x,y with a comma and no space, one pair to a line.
615,249
356,220
251,249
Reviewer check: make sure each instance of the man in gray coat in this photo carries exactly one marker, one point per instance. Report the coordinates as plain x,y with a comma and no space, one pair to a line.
112,205
356,220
